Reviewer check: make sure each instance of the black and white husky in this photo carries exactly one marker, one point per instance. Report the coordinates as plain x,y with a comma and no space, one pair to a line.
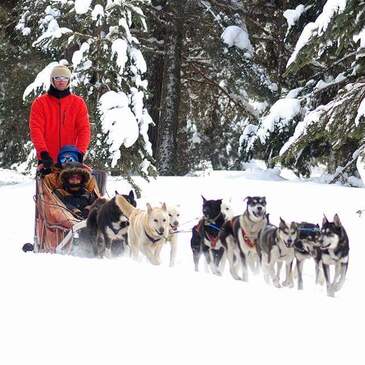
334,250
108,225
275,246
306,247
239,236
204,237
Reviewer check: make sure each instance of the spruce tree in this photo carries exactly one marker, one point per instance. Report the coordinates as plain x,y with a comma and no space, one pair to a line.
100,44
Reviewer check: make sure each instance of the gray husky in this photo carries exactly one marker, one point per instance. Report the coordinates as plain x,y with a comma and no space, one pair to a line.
276,246
334,250
306,247
239,235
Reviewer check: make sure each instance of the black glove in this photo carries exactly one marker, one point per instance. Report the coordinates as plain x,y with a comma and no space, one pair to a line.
47,162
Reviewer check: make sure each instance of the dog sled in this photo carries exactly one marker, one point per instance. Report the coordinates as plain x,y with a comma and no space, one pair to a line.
56,228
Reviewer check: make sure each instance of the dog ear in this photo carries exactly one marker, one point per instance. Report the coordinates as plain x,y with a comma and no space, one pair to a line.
131,195
282,222
324,220
116,192
149,208
164,207
336,220
204,200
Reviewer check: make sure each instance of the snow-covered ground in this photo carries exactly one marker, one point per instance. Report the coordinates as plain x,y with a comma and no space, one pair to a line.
68,310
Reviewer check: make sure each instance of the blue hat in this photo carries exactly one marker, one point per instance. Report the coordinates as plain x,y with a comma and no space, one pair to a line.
68,154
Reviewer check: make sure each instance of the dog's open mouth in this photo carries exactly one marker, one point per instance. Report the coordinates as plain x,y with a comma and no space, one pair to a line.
258,214
173,227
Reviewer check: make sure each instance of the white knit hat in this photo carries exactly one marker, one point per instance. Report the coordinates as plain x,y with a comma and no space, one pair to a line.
58,71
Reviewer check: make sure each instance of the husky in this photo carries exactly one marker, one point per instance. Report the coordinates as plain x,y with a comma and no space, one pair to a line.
305,247
226,208
204,237
334,250
239,236
108,225
276,245
174,221
147,230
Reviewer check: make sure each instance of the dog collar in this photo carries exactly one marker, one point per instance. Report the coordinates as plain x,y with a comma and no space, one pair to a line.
153,240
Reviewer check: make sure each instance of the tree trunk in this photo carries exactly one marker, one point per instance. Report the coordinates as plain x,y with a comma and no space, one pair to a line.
170,99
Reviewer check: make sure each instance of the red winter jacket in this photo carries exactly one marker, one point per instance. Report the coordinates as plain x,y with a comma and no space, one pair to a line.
57,122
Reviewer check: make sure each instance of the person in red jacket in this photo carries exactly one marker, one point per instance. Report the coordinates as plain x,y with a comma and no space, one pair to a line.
58,118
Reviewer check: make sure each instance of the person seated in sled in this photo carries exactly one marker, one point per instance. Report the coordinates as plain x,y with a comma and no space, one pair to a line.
73,190
68,154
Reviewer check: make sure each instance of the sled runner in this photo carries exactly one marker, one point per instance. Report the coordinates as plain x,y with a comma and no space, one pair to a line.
56,228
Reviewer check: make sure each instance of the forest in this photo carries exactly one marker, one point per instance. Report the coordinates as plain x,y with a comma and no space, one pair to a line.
210,84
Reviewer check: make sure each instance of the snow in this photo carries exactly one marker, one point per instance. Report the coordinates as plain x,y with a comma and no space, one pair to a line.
119,48
281,113
69,310
97,14
300,129
360,112
53,31
292,15
82,6
118,121
236,36
330,9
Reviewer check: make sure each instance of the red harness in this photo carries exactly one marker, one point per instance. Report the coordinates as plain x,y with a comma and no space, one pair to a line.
213,240
247,240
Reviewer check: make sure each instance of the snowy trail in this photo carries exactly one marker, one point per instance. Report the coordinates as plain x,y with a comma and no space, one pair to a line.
68,310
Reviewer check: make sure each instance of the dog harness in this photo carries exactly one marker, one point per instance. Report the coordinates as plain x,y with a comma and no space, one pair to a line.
153,240
246,239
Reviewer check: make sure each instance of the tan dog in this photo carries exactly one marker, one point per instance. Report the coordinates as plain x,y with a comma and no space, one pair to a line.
147,231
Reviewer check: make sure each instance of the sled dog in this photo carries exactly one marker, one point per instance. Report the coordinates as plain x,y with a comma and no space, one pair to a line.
334,250
204,237
108,225
239,235
226,208
275,246
174,221
305,247
147,230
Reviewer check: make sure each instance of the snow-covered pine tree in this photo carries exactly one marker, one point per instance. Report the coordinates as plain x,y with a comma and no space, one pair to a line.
225,84
15,70
98,39
328,61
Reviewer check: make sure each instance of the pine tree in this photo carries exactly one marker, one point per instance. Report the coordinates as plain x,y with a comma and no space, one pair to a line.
16,69
98,39
329,64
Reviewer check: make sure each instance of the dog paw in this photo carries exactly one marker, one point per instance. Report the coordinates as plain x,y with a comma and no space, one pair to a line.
288,284
276,284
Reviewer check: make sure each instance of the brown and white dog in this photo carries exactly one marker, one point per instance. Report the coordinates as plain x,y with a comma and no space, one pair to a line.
147,230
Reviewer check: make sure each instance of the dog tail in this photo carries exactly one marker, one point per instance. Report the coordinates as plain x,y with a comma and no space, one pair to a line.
126,208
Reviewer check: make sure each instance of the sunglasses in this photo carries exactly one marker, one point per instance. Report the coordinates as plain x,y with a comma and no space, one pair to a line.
61,78
66,159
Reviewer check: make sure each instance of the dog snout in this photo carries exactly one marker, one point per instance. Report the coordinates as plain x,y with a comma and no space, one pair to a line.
176,223
161,230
